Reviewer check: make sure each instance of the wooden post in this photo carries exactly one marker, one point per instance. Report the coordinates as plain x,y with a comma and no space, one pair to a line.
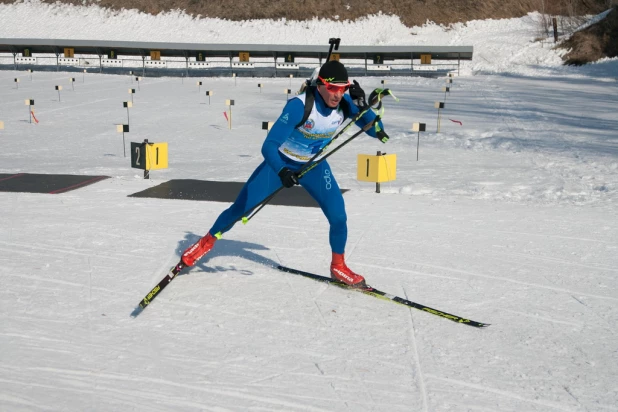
554,22
146,171
418,127
378,183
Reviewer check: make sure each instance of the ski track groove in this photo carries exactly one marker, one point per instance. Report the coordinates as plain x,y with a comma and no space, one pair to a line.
115,292
164,396
288,281
501,393
568,391
67,108
517,282
520,263
48,251
33,319
544,318
504,105
510,232
299,369
351,250
166,400
56,281
610,325
91,378
321,289
324,322
558,261
256,319
163,270
416,357
286,372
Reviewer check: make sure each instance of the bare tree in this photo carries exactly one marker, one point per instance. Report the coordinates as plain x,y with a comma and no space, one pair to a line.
544,22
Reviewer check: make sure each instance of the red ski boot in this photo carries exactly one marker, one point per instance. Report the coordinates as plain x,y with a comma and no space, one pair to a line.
199,249
340,271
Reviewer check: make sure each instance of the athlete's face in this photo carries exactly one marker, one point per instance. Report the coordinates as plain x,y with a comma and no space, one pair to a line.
333,96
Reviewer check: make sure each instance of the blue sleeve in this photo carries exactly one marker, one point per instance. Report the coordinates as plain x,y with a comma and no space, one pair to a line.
364,119
282,129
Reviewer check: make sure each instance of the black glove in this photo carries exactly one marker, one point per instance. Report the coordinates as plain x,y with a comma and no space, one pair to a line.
288,177
381,134
357,94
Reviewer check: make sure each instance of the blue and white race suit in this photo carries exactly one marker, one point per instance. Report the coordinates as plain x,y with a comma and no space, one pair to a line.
291,147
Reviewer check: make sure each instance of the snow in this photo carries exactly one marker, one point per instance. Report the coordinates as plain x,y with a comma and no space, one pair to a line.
509,219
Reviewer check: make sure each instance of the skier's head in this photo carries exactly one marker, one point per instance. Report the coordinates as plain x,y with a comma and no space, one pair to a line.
333,82
333,72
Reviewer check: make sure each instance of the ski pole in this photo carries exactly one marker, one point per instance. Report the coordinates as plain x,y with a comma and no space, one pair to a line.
303,171
252,211
374,99
306,168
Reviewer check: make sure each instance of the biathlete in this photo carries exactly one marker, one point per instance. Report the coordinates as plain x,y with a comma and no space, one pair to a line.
288,146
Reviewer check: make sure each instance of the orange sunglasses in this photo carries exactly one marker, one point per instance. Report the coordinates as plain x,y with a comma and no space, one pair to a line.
334,87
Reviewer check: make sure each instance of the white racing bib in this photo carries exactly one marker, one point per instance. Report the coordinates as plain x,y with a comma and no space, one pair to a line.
308,139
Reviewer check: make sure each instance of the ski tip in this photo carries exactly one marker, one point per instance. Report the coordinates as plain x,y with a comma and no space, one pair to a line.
136,311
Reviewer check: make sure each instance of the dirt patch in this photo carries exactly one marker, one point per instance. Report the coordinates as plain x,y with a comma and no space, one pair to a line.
411,12
593,43
600,40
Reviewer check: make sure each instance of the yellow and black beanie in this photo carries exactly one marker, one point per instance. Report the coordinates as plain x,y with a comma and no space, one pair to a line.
333,72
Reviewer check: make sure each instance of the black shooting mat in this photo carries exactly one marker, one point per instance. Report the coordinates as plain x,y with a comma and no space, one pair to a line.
190,189
43,183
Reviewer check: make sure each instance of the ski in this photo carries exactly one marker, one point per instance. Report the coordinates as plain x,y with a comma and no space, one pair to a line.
157,289
386,296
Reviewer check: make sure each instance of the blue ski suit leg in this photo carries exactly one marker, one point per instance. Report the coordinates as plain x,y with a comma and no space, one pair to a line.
261,183
319,183
322,186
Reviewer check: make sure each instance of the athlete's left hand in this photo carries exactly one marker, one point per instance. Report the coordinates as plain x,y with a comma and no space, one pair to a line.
382,136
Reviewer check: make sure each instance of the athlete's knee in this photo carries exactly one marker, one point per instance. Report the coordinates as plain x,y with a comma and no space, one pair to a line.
338,219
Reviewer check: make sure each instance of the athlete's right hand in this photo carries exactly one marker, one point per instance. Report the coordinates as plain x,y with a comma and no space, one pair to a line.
357,94
288,177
